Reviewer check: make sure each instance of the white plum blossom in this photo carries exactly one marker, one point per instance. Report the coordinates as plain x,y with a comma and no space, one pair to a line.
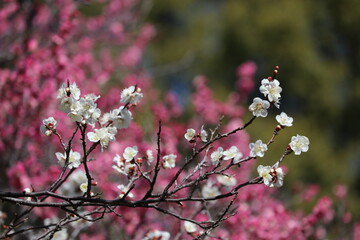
130,153
124,167
169,161
91,97
71,186
209,190
75,112
257,149
89,109
104,135
284,120
48,126
157,235
84,187
299,144
85,109
232,153
216,155
120,118
78,109
190,134
66,104
226,180
149,156
131,95
259,107
272,176
127,169
272,90
72,89
123,189
74,159
190,227
120,162
203,134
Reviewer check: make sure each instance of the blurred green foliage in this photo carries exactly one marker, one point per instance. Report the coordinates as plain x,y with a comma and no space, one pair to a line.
316,45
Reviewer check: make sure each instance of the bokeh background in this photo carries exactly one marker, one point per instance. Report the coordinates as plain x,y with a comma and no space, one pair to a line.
315,43
317,46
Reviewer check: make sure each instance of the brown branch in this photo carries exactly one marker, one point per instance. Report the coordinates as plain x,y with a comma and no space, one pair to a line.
157,165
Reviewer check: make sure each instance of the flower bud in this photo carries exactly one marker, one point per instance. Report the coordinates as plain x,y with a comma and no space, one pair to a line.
48,132
139,160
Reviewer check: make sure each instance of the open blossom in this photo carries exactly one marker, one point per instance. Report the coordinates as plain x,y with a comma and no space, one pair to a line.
127,169
169,161
216,155
85,109
72,185
84,187
190,134
123,189
49,124
226,180
120,162
157,235
232,153
284,120
131,95
149,156
272,176
258,149
74,159
209,190
189,227
130,153
203,134
64,91
89,109
124,167
104,135
259,107
120,118
299,144
272,90
66,104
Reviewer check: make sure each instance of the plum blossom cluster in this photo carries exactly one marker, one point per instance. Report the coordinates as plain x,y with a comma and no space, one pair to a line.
125,164
45,42
273,176
128,164
84,111
205,179
73,161
232,153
